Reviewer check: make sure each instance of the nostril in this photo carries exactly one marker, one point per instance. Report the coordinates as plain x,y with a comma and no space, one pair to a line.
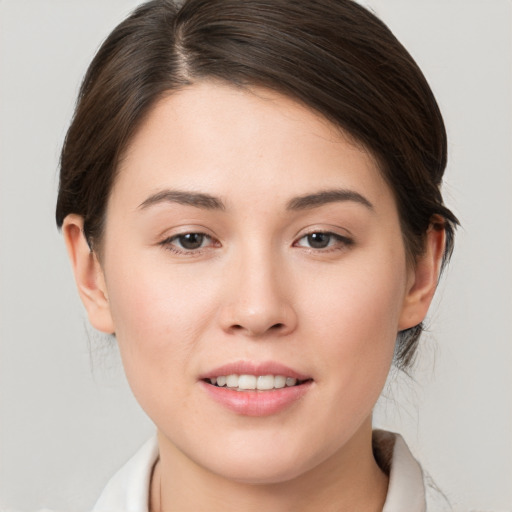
275,327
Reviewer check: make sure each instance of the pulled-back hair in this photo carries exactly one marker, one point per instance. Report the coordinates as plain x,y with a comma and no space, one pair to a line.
333,56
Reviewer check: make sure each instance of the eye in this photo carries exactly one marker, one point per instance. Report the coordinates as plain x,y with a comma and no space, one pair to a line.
323,240
188,242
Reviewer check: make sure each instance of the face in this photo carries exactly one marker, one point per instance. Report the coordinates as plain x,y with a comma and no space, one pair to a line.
246,235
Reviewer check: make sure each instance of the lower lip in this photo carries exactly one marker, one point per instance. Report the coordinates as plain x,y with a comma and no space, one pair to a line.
256,403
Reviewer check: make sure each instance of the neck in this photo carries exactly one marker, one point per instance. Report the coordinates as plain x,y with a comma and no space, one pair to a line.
349,480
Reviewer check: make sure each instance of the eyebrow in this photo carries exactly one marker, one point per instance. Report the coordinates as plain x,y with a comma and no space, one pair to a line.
197,199
209,202
327,196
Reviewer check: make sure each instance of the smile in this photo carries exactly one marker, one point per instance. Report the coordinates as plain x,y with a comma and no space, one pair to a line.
255,389
254,382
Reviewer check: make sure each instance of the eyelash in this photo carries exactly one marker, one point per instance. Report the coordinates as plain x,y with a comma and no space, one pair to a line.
168,244
340,243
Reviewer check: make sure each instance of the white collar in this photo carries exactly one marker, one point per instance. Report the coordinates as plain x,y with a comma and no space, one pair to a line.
128,489
406,489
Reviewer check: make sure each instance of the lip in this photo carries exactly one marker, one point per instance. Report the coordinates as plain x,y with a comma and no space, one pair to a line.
252,368
255,402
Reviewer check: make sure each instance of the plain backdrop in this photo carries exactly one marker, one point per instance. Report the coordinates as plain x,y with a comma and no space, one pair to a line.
68,419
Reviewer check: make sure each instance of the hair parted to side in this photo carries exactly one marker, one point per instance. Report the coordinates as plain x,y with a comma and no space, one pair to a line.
333,56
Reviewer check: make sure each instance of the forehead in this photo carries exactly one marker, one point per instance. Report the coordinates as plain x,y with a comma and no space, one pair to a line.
236,142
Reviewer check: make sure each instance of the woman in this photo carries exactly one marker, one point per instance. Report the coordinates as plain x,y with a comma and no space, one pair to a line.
250,197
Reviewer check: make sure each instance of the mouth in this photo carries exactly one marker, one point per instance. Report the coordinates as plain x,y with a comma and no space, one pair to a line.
246,382
256,388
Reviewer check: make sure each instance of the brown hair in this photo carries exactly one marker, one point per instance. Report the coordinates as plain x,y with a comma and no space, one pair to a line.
332,55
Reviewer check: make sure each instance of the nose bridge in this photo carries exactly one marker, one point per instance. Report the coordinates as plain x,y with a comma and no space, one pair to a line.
258,300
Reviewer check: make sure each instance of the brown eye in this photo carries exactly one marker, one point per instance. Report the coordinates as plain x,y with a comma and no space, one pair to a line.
319,240
323,240
187,242
191,241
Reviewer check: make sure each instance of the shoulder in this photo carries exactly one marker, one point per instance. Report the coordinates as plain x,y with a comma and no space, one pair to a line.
128,489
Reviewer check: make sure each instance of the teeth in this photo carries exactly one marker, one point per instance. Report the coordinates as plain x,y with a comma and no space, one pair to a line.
266,382
279,381
249,382
232,381
246,382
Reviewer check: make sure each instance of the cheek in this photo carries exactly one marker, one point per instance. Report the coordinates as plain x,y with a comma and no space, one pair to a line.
354,319
160,317
148,297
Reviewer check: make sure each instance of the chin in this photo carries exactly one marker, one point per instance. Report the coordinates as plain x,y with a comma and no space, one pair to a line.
257,465
268,473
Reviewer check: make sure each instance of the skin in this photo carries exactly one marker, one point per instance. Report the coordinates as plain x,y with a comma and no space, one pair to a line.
257,291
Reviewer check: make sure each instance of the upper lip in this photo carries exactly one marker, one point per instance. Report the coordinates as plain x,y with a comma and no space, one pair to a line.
254,368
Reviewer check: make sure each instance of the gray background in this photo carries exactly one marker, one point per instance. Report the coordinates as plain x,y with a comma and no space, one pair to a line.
68,420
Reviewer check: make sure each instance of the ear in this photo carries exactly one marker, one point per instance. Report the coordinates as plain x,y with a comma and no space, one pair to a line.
423,278
88,273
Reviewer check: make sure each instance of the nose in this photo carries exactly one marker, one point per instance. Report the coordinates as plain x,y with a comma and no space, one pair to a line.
258,299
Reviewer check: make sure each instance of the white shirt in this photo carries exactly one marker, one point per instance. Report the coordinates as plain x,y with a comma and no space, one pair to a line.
128,490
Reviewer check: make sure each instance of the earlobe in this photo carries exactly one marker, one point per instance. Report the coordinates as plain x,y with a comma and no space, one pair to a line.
88,274
423,279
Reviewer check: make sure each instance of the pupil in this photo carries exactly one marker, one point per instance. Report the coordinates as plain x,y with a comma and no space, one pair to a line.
319,240
191,240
